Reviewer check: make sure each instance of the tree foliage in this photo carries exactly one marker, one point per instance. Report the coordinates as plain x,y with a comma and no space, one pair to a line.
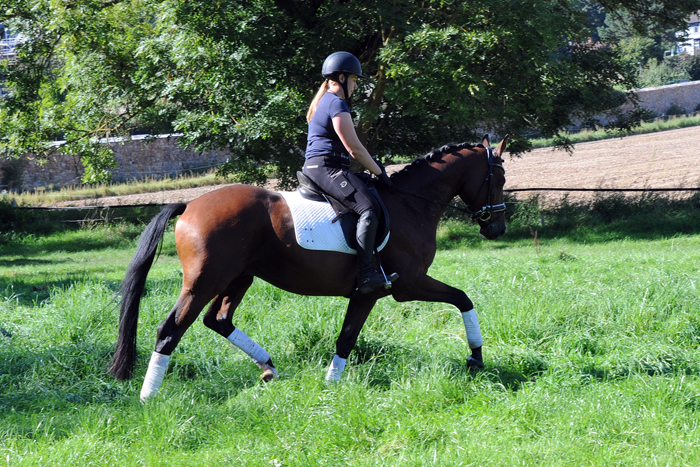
239,74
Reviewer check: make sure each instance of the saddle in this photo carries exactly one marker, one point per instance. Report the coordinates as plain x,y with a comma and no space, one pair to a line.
347,217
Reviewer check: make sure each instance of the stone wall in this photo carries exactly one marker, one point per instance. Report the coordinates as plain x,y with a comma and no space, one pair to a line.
136,158
660,99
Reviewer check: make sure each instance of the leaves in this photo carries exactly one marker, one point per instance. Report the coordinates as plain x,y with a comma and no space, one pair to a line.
239,74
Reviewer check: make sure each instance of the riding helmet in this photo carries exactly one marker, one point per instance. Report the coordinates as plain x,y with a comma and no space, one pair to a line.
341,63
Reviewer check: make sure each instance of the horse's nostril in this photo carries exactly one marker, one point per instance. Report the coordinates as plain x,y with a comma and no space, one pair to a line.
503,230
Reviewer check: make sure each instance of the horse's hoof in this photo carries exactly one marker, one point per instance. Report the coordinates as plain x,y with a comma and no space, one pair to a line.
474,364
269,374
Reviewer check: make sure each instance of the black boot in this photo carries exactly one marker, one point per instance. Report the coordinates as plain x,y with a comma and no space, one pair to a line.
368,279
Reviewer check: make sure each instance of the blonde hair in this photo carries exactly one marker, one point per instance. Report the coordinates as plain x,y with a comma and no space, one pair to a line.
314,103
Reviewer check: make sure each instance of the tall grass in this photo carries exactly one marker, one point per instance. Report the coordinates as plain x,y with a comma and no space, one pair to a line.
592,339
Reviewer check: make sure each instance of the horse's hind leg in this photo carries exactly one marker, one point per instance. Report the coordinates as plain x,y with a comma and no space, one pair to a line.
219,318
169,334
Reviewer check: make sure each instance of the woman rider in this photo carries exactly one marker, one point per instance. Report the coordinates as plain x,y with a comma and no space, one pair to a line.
332,143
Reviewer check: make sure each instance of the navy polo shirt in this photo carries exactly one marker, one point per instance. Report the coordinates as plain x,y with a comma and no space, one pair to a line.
322,137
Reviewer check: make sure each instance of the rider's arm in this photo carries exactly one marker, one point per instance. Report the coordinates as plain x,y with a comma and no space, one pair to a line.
342,123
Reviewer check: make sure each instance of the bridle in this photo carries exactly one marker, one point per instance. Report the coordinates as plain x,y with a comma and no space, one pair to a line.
486,212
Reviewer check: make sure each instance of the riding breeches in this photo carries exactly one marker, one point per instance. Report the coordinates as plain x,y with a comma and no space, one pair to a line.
332,175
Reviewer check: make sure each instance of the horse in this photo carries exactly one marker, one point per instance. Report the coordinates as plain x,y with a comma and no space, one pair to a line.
227,237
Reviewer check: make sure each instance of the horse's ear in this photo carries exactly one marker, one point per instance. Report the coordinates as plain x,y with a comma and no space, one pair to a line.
502,146
485,141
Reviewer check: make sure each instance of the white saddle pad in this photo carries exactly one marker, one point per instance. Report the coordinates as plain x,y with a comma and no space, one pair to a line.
313,226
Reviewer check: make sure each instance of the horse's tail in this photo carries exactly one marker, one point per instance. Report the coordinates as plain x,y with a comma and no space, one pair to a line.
132,288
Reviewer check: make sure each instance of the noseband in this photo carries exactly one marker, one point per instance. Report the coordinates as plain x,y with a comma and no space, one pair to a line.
485,213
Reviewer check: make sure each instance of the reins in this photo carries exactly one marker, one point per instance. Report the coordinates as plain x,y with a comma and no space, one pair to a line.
425,198
483,214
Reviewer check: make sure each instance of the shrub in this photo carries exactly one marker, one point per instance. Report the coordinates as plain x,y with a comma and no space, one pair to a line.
675,109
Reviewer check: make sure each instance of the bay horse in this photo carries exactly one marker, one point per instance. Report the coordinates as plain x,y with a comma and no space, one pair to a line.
227,237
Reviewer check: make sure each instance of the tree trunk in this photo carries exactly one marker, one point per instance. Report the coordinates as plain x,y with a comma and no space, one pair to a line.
373,107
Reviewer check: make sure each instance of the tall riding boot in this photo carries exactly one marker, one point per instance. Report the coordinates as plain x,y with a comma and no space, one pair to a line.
368,279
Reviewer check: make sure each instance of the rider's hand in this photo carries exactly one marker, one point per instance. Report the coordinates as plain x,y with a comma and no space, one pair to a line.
379,164
384,178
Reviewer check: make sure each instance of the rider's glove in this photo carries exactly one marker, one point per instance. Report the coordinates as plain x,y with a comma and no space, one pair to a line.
384,178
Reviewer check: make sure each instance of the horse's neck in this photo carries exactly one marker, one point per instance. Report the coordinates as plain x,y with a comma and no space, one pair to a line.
429,188
436,181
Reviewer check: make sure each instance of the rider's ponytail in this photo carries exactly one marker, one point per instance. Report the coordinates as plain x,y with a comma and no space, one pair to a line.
314,103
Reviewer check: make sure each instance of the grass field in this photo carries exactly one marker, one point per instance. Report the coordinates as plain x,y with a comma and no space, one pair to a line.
591,326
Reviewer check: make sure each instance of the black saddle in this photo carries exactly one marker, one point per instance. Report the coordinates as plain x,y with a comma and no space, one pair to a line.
347,217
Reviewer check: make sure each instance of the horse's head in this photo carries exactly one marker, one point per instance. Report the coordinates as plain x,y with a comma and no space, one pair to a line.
487,205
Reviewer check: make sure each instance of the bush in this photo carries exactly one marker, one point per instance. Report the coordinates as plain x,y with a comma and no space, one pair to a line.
608,216
675,109
692,65
671,70
14,221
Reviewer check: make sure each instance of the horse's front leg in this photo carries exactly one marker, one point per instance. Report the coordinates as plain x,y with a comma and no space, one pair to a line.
428,289
355,317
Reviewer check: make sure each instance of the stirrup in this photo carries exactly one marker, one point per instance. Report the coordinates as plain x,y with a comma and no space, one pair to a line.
370,285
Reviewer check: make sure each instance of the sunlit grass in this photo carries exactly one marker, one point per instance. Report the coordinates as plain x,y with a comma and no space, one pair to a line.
592,351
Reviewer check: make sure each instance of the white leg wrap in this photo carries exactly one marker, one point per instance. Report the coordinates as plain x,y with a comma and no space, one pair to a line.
471,324
335,371
154,375
247,345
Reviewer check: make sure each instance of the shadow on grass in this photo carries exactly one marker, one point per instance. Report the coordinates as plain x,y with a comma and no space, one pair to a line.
55,377
9,263
507,376
76,241
33,290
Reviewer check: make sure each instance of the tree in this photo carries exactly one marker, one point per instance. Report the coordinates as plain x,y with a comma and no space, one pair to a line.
240,73
642,50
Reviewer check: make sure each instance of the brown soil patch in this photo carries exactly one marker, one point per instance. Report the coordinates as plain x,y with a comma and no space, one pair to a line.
656,160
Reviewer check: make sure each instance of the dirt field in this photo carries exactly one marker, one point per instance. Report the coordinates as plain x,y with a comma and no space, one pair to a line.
657,160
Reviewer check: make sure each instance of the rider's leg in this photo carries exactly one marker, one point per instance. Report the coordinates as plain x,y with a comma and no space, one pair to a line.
345,186
368,278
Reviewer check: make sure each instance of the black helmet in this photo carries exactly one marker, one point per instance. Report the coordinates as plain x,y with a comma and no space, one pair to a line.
341,63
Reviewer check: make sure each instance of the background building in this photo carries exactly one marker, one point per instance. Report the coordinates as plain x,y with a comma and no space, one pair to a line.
691,43
8,41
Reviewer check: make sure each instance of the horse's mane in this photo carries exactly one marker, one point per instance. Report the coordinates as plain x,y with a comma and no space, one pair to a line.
434,155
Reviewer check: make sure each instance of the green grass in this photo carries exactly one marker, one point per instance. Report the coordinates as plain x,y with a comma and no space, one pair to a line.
592,335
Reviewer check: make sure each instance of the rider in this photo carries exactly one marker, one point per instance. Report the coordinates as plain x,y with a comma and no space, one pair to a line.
332,143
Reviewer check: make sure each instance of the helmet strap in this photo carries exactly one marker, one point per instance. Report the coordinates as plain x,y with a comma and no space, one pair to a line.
344,86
